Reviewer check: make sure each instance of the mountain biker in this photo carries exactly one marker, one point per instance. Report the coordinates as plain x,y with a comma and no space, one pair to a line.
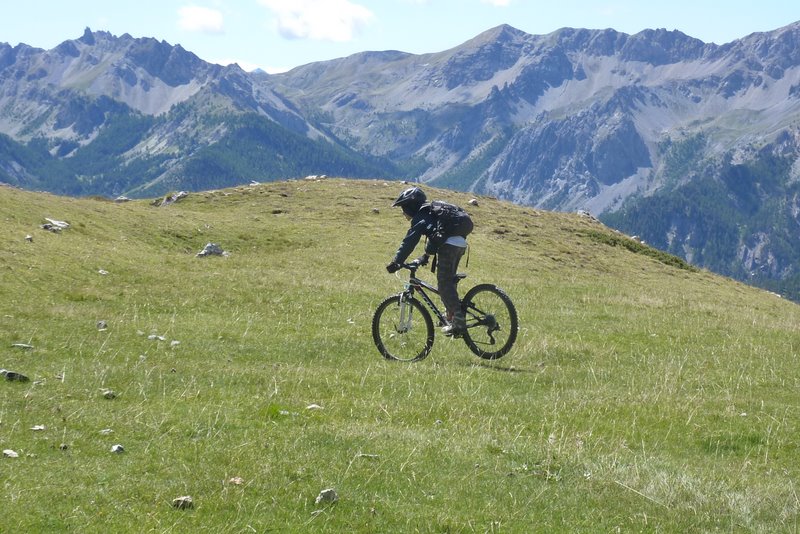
448,254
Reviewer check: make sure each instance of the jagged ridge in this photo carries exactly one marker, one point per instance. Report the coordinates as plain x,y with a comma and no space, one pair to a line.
576,119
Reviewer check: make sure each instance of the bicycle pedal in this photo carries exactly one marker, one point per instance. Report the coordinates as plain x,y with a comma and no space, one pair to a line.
452,332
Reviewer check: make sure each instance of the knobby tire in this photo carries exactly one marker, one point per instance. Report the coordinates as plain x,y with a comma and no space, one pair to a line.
406,343
492,322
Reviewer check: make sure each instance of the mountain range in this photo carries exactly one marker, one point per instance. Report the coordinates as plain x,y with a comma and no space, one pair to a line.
693,147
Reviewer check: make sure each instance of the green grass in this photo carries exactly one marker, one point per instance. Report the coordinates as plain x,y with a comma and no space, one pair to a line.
641,396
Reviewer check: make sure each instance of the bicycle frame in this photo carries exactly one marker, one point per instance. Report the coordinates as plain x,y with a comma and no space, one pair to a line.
418,285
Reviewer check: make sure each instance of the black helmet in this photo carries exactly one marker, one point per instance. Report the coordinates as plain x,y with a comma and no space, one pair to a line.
410,200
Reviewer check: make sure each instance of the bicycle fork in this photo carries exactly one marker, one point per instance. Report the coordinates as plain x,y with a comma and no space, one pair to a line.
404,325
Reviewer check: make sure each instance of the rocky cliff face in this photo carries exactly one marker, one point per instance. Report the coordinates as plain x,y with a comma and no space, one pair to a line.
574,117
67,92
580,113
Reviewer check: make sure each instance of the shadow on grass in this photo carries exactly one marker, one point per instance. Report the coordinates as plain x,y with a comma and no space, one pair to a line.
494,366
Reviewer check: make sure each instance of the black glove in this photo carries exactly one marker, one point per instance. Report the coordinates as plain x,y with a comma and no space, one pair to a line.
422,260
393,267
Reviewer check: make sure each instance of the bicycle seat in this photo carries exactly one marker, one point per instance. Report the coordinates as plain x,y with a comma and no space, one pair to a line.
461,276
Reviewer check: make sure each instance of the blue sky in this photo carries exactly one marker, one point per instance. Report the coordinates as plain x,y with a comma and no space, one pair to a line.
279,34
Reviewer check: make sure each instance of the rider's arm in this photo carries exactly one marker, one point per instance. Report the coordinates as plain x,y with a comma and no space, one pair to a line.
419,226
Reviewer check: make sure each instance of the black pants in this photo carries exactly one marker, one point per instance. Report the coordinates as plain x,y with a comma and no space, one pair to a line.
447,260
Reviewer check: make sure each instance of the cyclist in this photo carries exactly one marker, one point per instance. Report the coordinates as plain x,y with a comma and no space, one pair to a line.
448,254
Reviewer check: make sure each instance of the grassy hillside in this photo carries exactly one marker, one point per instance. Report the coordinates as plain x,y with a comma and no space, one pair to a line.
642,395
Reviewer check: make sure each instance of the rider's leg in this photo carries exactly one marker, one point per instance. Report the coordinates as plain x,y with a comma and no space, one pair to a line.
448,258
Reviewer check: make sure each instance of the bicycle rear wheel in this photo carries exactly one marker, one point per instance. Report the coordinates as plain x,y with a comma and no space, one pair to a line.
492,322
402,329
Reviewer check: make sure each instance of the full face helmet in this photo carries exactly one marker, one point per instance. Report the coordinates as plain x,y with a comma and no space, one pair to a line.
410,200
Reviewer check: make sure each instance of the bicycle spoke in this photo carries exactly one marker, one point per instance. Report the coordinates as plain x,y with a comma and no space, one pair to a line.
402,329
491,323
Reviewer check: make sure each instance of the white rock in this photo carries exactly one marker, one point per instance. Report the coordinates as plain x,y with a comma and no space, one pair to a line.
117,448
212,249
58,224
8,453
328,495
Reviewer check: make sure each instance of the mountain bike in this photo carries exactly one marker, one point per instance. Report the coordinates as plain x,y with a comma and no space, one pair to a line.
403,330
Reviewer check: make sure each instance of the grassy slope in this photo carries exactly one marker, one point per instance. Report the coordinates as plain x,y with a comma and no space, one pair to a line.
640,396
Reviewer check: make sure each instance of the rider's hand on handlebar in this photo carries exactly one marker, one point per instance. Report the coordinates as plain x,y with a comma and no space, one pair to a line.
393,267
422,260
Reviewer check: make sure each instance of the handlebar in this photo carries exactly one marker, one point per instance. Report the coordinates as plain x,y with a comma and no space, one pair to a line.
414,265
419,262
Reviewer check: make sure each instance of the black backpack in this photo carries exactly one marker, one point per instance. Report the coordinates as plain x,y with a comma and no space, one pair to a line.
451,220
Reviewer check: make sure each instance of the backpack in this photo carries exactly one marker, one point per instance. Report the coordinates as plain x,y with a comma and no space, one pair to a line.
451,220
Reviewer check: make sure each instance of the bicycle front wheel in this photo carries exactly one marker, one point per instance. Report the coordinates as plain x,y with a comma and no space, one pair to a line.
491,321
402,329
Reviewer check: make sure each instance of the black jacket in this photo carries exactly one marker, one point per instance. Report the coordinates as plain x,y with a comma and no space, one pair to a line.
423,223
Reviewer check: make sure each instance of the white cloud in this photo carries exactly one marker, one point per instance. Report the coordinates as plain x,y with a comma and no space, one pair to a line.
200,19
497,3
320,20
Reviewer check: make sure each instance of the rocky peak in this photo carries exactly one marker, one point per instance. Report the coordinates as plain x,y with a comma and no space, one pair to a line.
502,34
482,57
172,64
662,47
590,42
88,37
656,47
